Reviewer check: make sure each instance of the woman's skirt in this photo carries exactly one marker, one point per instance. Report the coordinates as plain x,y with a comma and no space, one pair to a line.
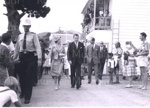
131,68
3,75
56,68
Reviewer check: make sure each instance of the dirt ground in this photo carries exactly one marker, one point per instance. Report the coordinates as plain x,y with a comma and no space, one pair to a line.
89,95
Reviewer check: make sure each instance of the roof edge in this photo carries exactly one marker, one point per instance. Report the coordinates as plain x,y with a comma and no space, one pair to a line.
85,7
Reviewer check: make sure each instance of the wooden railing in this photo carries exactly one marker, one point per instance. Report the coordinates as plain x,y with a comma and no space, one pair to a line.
101,23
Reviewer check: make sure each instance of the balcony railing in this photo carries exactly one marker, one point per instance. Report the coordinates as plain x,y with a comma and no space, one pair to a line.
101,23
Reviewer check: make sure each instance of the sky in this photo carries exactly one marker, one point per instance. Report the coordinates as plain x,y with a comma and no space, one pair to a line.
65,14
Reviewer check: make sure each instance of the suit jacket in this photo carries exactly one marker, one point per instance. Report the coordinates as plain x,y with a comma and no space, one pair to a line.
103,53
76,54
92,54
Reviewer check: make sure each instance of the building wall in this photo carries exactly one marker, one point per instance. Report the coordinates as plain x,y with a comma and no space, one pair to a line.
134,18
101,35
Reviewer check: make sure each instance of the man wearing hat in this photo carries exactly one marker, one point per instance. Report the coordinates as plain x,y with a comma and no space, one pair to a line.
26,48
102,57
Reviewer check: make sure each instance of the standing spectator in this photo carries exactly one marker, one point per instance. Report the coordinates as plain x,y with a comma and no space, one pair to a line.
40,68
102,58
57,54
5,59
66,63
75,57
27,46
118,62
92,53
131,64
143,52
8,93
46,65
84,65
111,65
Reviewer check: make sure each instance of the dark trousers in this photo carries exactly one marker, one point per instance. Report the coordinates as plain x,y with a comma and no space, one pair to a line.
101,67
111,71
76,74
116,72
40,71
27,68
16,70
36,71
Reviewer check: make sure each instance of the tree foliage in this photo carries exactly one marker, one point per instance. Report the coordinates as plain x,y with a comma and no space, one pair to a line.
34,8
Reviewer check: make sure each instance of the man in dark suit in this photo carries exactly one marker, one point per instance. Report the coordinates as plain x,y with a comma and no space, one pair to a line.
75,55
92,54
102,57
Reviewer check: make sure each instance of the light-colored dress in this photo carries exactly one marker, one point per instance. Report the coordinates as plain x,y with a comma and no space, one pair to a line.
66,63
131,67
57,60
47,61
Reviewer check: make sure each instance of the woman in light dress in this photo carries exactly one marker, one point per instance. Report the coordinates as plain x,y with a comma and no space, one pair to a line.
130,63
57,61
143,52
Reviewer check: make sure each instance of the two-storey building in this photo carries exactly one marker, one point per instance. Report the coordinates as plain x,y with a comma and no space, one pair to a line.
116,20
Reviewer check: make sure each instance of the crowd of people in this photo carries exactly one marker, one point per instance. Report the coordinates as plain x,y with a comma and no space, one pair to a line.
28,60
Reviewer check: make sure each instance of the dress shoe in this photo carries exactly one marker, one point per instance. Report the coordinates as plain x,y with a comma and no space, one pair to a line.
89,82
100,78
78,87
116,82
26,101
97,82
35,84
124,78
21,96
72,86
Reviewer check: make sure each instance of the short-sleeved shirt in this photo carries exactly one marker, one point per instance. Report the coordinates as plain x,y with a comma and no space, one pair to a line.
144,46
111,63
32,44
7,95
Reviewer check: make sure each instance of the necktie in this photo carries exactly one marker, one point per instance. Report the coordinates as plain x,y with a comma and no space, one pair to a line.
24,41
92,48
76,45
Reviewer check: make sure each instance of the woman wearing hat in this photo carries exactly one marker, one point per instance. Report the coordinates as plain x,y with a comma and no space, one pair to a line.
57,54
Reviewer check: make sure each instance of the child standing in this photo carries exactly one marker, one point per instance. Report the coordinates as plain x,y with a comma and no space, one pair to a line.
46,65
111,65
